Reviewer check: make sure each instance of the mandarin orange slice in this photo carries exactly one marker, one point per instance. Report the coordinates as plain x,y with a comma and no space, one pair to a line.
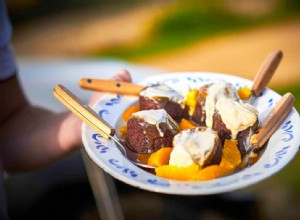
128,112
123,130
191,100
160,157
244,93
177,173
212,172
143,158
231,157
185,124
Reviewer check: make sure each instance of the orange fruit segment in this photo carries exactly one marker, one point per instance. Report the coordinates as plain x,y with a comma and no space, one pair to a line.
143,158
123,130
177,173
244,93
212,172
231,156
160,157
191,100
128,112
185,124
231,160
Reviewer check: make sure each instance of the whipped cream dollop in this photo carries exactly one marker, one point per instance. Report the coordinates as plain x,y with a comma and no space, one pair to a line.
235,115
162,90
155,117
216,91
192,146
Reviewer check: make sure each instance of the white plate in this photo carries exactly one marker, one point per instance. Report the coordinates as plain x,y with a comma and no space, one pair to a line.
281,148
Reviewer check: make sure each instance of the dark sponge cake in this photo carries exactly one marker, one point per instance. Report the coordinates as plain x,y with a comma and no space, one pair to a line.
150,130
199,115
234,120
206,99
161,96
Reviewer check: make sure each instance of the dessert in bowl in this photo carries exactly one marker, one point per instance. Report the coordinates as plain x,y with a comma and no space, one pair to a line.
112,106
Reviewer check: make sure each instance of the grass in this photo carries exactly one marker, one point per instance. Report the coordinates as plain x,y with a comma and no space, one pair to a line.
179,29
295,90
193,22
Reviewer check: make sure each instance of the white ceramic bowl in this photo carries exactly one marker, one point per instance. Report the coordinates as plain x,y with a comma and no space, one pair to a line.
281,148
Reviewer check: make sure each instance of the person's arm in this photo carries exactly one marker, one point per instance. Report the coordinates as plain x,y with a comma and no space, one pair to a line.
32,137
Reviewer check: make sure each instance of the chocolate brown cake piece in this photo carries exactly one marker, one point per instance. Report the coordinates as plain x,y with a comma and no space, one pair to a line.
150,130
161,96
235,120
199,145
206,100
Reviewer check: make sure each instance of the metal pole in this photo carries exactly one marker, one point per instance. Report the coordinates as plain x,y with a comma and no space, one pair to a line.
104,190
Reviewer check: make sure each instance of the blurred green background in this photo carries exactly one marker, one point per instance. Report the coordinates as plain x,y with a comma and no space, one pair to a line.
190,21
228,36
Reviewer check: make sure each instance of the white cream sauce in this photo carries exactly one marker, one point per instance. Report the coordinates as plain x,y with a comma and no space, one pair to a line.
155,117
235,115
162,90
192,146
214,92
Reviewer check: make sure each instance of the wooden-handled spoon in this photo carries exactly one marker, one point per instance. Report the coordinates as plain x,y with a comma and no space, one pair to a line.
271,123
264,75
92,119
266,72
273,120
84,112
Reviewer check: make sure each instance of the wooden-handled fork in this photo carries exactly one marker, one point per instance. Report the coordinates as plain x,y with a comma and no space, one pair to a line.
110,86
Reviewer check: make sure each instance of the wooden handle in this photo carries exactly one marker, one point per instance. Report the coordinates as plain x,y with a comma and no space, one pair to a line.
274,119
266,72
110,86
84,112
